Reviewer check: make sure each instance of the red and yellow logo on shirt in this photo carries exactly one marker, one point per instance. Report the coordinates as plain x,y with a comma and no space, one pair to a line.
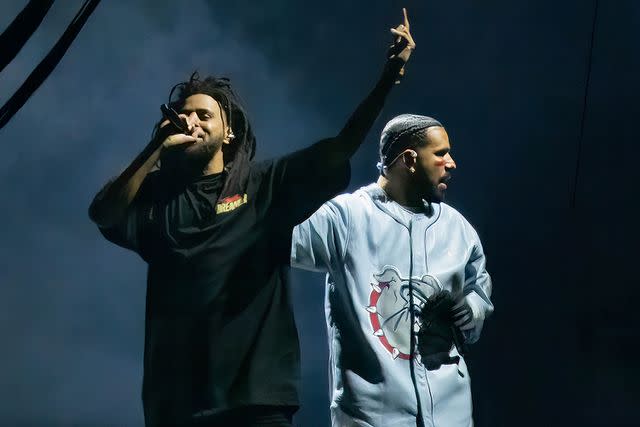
230,203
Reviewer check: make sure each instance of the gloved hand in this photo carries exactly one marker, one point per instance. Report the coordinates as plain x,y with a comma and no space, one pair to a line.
438,331
463,315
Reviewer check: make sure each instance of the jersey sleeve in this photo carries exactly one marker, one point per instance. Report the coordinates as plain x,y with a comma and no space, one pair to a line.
477,290
320,242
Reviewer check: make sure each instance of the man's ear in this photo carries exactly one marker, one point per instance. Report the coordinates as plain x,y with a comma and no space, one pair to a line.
228,136
226,126
409,157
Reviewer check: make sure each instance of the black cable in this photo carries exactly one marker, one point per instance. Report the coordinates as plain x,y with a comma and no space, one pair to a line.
48,64
13,39
584,106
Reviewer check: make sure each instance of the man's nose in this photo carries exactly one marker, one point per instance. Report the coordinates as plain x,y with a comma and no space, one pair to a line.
449,162
192,119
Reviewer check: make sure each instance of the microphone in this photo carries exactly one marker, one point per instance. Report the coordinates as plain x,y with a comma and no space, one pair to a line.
176,121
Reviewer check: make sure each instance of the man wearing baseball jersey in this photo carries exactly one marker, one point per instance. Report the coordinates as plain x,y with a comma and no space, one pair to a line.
406,287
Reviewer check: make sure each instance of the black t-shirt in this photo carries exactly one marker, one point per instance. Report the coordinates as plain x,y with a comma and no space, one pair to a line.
220,332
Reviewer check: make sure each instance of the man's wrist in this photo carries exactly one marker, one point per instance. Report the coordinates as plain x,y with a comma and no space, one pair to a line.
393,66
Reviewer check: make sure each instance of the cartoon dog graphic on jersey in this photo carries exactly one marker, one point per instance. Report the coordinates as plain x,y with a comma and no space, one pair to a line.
389,307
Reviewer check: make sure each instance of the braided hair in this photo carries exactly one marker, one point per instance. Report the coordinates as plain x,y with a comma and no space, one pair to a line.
239,152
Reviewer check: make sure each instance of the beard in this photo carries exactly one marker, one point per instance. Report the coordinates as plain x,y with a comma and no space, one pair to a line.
189,160
425,188
434,194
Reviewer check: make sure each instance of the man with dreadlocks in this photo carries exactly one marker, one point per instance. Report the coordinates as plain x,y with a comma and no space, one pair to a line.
406,287
221,346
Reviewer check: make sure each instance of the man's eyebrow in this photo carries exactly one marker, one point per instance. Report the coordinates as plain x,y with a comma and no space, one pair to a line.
197,110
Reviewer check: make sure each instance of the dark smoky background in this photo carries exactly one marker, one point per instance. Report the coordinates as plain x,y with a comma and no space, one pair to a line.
506,78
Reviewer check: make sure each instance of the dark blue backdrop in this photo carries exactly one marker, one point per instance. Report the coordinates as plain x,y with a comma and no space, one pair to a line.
507,79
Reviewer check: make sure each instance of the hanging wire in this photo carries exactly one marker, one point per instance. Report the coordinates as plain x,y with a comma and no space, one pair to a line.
584,106
13,39
48,64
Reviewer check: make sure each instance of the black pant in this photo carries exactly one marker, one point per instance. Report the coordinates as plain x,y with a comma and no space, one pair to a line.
252,416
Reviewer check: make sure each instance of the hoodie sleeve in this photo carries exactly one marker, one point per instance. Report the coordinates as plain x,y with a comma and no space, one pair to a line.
320,242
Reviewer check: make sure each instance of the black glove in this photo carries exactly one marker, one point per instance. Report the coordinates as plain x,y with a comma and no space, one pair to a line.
437,332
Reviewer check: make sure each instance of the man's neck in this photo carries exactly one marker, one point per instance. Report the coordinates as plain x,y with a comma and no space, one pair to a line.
399,192
215,165
186,171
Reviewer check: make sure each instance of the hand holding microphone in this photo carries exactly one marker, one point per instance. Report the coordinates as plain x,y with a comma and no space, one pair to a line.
174,130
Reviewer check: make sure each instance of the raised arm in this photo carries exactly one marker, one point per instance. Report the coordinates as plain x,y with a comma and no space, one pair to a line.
353,133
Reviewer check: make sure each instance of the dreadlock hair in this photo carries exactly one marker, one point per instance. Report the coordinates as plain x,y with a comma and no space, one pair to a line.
241,149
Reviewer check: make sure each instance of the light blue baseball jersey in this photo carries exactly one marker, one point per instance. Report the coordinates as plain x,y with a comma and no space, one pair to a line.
370,246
